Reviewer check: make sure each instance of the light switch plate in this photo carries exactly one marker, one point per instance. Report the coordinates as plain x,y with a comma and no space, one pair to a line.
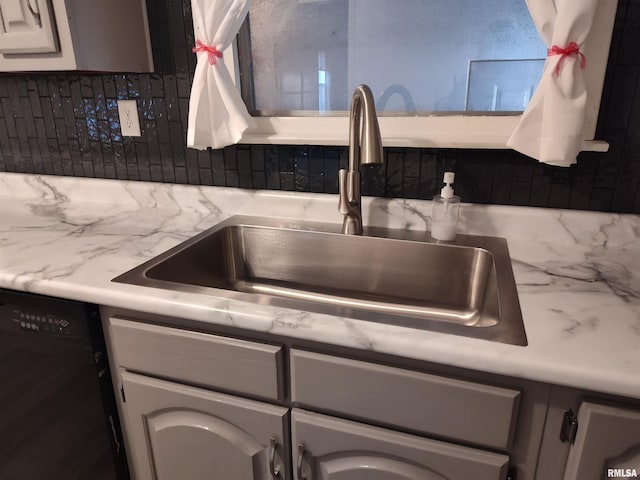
129,122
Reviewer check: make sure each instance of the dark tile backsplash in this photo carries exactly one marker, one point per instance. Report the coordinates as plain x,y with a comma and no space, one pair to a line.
67,124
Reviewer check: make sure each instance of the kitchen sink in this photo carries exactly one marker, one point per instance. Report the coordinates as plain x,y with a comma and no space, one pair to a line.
391,276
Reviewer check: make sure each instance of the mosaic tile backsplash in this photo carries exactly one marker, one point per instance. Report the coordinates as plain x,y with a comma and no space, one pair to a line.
67,124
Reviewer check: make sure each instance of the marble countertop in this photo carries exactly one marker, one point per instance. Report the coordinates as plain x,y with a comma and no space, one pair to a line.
577,273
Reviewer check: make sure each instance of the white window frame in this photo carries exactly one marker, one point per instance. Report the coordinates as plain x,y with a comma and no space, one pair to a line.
439,131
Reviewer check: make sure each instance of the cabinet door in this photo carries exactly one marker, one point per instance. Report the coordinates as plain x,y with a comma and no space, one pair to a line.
27,27
328,448
186,433
608,438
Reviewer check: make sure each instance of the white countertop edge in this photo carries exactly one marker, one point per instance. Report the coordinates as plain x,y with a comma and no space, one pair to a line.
452,350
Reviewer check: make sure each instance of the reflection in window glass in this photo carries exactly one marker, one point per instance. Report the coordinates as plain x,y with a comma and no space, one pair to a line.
418,56
502,85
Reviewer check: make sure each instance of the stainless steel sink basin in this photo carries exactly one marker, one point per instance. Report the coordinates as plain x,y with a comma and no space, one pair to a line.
391,276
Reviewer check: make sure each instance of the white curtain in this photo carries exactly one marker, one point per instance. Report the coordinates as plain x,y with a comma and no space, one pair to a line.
217,114
551,127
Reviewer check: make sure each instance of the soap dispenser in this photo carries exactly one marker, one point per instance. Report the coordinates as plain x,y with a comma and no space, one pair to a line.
446,208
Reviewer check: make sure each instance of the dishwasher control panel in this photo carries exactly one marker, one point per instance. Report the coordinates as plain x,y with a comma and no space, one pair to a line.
46,322
23,313
13,318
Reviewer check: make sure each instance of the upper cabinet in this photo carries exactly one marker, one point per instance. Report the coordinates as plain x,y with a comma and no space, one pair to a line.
27,27
94,35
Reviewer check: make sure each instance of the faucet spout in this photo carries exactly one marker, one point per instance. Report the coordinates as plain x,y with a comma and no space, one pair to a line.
365,147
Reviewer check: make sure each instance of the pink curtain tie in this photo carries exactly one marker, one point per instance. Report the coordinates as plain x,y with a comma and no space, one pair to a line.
572,49
212,52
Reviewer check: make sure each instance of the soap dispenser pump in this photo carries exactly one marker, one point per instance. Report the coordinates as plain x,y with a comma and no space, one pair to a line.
446,209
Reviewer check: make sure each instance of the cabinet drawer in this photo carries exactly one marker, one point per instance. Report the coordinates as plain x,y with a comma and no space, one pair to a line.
199,358
456,409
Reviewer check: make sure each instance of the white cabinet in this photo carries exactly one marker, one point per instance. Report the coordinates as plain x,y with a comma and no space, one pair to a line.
176,426
180,432
196,405
328,448
27,27
97,35
607,443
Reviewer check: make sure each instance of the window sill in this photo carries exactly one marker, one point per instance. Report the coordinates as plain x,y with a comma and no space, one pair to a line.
416,132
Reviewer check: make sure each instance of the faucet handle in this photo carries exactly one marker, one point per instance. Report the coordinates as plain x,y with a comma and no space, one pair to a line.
349,205
343,203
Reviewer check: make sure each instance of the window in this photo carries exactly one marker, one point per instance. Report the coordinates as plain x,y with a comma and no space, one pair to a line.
445,73
308,57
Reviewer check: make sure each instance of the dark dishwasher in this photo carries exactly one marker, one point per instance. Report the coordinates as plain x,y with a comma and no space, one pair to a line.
58,417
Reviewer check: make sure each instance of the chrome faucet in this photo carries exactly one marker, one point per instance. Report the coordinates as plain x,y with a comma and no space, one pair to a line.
365,147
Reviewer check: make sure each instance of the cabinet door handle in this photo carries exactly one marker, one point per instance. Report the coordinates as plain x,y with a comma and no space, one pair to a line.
301,452
35,11
273,468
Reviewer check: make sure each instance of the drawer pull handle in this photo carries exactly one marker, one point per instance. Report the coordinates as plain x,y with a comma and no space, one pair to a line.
273,468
